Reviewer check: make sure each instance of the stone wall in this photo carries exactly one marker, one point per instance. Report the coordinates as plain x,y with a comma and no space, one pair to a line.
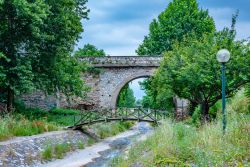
116,71
124,61
26,151
39,99
112,80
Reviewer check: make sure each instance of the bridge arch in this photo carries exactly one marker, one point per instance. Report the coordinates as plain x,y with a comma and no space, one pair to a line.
116,71
116,92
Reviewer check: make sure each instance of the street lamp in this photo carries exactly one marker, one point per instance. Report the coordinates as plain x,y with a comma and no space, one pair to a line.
223,56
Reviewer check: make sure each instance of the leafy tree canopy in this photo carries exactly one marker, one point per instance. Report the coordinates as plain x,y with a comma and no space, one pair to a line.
191,70
153,100
35,38
90,50
180,18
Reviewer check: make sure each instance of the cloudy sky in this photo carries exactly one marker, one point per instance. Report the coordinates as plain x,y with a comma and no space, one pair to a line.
119,26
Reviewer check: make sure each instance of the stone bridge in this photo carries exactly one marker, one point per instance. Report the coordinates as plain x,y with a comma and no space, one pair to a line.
115,72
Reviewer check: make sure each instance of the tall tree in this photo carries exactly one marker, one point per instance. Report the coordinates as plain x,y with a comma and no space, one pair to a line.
126,97
54,61
37,38
191,70
177,20
90,50
20,22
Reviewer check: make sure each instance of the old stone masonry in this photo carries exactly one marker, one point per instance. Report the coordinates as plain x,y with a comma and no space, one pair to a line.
115,72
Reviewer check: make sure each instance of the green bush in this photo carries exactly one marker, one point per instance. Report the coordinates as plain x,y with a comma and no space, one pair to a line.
65,111
196,117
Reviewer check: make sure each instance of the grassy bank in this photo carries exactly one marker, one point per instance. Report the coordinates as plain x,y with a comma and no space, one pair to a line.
178,144
32,121
18,125
104,130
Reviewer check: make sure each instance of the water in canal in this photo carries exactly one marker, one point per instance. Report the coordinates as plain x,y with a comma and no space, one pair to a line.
121,145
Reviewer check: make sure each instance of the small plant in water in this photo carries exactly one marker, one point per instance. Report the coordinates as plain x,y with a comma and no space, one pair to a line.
91,141
80,145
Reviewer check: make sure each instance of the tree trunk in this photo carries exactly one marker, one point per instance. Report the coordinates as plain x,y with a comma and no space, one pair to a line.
10,99
205,112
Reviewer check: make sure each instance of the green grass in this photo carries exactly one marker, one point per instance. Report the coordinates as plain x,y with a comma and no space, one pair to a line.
178,144
90,142
57,151
18,125
32,121
111,129
80,145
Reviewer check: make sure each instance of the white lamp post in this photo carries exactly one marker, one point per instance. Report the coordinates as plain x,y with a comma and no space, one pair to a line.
223,56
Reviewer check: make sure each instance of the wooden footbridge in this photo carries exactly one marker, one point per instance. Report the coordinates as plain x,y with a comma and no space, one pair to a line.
121,114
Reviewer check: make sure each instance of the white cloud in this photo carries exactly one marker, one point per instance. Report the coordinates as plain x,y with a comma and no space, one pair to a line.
118,27
116,39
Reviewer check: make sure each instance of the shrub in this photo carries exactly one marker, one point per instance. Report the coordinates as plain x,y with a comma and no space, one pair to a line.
65,111
196,117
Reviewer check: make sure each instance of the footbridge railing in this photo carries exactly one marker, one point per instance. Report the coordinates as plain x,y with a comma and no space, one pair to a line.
120,114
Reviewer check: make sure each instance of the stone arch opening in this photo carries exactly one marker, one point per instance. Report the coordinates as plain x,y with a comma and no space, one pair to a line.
125,81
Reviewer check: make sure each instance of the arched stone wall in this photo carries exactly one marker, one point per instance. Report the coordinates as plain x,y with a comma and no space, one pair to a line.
118,89
115,73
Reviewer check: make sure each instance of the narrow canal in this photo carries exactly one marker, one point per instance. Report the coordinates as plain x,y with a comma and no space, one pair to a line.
120,145
101,154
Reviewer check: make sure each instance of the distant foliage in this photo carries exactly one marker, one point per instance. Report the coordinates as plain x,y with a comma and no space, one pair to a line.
126,97
89,50
151,100
180,18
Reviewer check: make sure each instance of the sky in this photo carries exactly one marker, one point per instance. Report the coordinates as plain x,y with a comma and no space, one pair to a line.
119,26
